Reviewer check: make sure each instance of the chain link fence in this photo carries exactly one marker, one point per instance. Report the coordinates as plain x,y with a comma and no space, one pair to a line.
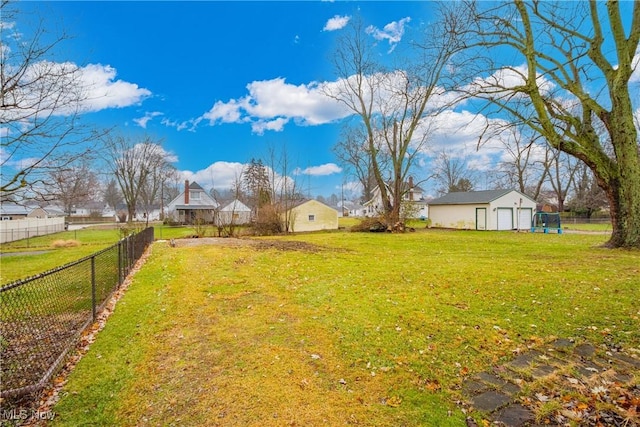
42,317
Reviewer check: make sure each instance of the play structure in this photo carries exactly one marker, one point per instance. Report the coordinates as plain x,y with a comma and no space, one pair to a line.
546,221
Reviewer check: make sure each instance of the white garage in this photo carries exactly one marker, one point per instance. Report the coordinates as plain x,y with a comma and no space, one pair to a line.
483,210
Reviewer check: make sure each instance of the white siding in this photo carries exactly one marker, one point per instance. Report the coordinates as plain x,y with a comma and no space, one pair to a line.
515,210
454,216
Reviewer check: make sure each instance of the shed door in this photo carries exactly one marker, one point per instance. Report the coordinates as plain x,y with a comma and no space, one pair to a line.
525,217
481,218
505,219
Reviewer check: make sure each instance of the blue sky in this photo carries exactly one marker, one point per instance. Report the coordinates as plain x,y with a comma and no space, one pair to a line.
221,82
165,65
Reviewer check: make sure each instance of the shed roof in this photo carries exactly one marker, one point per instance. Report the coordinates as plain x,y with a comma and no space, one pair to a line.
469,197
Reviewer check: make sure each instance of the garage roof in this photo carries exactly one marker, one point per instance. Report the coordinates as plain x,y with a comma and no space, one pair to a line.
469,197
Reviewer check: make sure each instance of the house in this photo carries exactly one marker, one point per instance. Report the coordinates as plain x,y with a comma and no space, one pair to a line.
10,211
413,201
235,212
312,215
192,204
483,210
351,208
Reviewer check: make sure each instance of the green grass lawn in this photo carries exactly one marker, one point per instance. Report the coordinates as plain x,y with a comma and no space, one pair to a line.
603,227
22,262
372,329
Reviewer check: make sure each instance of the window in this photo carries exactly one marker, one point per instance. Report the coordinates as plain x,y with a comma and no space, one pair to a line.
312,218
194,195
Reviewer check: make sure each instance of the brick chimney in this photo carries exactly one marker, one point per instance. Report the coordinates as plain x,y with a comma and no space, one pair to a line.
186,191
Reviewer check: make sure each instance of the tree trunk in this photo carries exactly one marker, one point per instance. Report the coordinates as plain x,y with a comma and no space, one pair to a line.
131,214
624,204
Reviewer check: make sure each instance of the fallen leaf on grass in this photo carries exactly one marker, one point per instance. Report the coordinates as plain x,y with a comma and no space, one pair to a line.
393,401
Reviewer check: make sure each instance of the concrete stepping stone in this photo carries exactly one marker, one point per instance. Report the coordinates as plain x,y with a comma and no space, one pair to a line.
524,360
542,371
490,401
562,344
472,387
628,360
499,383
585,350
588,369
514,416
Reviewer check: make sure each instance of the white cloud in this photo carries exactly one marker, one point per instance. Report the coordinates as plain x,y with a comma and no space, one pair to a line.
224,112
142,121
322,170
219,175
505,80
336,23
224,175
271,104
103,91
156,149
276,125
190,125
63,89
392,32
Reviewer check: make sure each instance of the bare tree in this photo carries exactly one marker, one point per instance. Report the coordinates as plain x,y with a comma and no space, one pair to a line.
354,156
451,174
72,185
40,103
561,175
393,104
112,195
587,196
152,190
576,75
284,191
134,164
172,186
526,160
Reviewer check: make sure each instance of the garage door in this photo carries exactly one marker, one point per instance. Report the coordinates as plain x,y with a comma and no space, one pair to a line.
525,217
505,219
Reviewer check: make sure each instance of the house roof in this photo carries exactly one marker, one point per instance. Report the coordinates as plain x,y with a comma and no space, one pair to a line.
195,186
13,209
195,207
303,201
469,197
235,206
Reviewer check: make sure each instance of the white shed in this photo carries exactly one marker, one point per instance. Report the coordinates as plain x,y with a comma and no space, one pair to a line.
483,210
235,212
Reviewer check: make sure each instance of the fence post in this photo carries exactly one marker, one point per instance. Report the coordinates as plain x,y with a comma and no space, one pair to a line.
119,263
93,287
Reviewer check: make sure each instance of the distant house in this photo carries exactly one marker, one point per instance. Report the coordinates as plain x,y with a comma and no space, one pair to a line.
10,211
53,212
351,208
483,210
192,204
412,199
235,212
312,215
